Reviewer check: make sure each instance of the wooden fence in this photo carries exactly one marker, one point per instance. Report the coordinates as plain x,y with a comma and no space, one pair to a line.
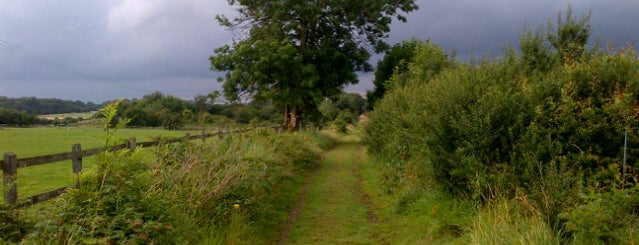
11,163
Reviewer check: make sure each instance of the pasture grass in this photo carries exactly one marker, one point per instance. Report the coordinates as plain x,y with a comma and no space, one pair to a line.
29,142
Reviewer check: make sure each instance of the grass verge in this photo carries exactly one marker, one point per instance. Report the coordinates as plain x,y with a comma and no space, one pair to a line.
232,190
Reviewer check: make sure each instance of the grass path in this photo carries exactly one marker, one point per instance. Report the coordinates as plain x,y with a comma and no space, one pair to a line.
334,207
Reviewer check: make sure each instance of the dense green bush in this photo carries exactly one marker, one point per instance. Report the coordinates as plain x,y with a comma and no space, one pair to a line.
156,110
341,109
487,118
604,218
536,121
12,116
13,225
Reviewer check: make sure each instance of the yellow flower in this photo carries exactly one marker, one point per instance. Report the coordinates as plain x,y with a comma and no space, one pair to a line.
433,211
236,206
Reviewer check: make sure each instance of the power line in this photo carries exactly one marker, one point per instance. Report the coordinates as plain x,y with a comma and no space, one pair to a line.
54,63
37,58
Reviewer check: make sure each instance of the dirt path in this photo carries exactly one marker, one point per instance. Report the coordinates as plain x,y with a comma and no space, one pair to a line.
334,207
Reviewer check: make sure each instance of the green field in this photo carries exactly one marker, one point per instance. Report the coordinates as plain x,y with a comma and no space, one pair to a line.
29,142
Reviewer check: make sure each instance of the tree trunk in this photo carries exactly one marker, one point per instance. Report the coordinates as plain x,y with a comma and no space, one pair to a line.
286,117
291,118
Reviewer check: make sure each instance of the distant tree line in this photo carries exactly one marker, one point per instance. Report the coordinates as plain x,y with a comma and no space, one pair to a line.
38,106
161,110
13,116
342,109
16,117
170,112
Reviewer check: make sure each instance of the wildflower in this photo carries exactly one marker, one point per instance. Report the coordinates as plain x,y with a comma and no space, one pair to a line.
236,206
433,211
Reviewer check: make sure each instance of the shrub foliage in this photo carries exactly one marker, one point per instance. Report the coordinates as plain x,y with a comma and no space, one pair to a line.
537,120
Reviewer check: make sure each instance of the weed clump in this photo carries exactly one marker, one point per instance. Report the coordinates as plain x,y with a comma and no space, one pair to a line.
13,225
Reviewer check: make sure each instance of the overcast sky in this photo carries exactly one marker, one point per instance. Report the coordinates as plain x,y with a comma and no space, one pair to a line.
104,50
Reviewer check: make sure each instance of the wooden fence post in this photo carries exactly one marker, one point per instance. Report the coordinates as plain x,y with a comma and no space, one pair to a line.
76,153
9,177
132,142
203,135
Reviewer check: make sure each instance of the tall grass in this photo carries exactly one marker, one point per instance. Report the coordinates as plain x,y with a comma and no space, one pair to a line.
233,189
510,222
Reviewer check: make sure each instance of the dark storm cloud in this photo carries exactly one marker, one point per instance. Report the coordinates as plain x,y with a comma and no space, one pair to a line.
121,48
478,27
164,38
100,50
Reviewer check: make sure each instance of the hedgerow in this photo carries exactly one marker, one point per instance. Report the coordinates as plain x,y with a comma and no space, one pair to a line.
533,121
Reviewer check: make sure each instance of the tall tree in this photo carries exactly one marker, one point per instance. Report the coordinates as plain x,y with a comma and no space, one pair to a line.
298,52
415,58
395,60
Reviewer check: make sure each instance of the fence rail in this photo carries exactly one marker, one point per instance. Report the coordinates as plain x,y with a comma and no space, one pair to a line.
11,163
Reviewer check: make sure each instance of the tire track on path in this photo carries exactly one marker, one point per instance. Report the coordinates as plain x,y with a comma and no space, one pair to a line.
333,207
297,208
365,198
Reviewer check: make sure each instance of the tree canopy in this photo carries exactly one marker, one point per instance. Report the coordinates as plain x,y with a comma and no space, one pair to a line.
41,106
415,58
13,116
156,110
395,60
296,53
